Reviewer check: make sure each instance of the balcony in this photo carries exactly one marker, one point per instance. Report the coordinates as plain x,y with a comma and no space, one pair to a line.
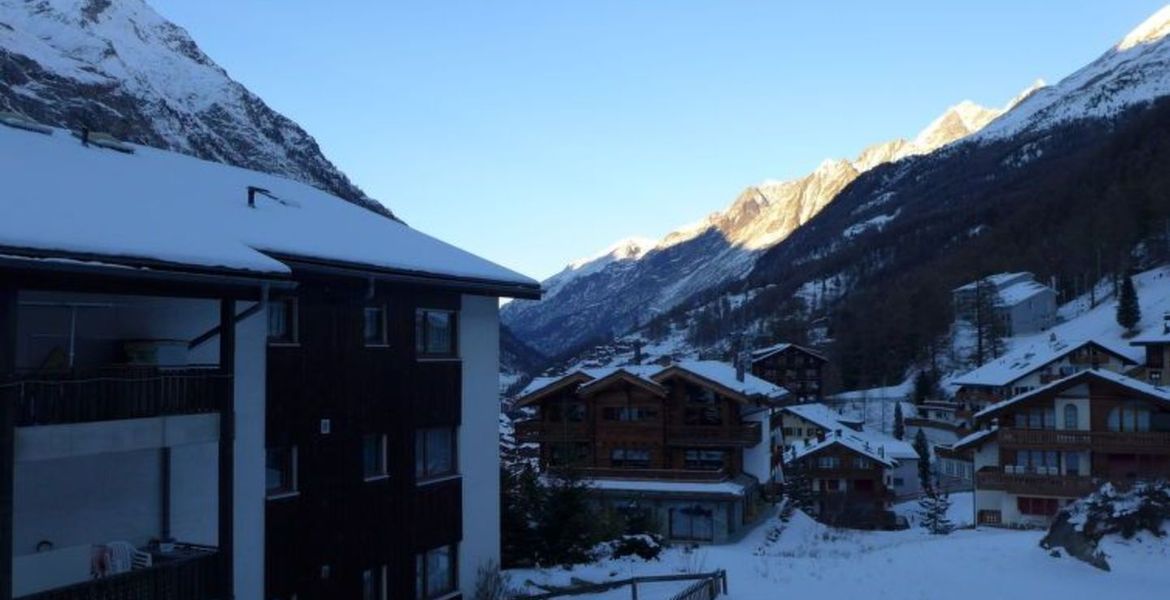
116,393
745,435
197,575
1154,442
550,431
1067,486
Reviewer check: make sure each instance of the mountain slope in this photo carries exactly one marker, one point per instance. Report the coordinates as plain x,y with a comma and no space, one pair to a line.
119,66
633,282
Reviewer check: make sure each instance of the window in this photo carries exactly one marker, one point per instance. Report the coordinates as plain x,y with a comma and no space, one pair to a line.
628,413
1042,507
434,333
899,482
1071,420
1072,463
280,471
1131,416
861,463
434,453
692,523
787,432
374,326
1038,461
434,572
702,407
703,459
828,462
628,457
1037,418
282,321
374,583
374,456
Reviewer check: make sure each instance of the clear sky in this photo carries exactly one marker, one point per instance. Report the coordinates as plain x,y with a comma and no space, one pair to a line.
538,132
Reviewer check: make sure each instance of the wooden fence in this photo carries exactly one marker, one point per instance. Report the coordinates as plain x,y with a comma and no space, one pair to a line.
706,586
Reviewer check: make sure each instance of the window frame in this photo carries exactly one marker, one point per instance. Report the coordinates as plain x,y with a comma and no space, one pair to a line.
422,337
383,472
379,576
422,574
383,324
293,337
421,474
294,487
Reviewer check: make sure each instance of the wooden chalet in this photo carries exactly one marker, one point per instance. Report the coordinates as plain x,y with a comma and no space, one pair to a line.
798,369
690,442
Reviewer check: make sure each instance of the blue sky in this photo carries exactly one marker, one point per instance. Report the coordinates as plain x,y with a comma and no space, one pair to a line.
538,132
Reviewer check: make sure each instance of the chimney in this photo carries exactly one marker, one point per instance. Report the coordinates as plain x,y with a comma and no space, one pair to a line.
742,360
85,136
637,352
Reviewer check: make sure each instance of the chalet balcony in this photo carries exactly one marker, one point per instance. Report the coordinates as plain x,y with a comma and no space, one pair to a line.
115,393
1068,486
745,435
190,573
656,474
1150,442
549,431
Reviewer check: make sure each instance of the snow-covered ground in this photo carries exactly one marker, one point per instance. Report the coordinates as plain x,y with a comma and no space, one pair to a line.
810,560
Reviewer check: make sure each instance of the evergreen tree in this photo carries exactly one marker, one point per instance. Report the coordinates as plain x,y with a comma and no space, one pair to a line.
521,498
565,521
1129,313
798,486
923,449
899,424
932,509
989,328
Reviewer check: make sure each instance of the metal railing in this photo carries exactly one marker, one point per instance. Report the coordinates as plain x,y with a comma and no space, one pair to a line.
1072,486
115,394
706,586
1103,440
194,578
543,431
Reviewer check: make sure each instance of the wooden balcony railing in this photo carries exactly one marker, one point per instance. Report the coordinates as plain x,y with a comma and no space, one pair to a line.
548,431
747,434
194,578
1069,486
115,394
655,474
1105,441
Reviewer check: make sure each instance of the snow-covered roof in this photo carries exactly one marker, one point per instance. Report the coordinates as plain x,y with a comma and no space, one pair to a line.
1021,292
822,416
726,376
1158,334
762,353
1028,359
728,487
1136,385
974,439
999,280
861,446
66,200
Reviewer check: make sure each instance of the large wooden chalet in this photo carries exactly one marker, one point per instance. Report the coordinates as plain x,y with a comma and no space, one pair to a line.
795,368
1043,448
690,443
217,383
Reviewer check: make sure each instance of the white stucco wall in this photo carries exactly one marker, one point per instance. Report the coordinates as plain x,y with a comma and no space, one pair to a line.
1082,404
757,460
479,446
250,376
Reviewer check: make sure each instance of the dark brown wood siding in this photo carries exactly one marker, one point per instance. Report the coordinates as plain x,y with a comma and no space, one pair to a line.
320,541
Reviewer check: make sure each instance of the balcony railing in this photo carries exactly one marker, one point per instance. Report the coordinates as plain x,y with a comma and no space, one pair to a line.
113,394
747,434
1117,441
1069,486
550,431
194,578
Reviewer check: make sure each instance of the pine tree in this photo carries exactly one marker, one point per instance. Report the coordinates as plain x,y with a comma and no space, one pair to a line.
565,521
798,486
1129,313
989,328
932,509
899,423
521,497
923,449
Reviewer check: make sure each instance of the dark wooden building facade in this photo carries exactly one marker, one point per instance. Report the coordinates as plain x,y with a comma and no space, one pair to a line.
795,368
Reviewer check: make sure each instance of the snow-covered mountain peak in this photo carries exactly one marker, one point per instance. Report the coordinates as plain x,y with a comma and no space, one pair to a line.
626,249
121,67
957,122
1151,30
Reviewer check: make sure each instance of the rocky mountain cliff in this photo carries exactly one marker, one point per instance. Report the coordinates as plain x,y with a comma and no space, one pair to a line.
636,280
118,66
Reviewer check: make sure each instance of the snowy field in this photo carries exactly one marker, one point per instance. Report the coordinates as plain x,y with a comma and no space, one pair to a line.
809,560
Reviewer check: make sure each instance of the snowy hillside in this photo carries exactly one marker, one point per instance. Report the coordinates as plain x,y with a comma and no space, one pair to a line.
121,67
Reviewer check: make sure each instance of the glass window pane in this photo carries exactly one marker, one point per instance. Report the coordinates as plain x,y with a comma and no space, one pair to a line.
439,333
373,455
439,572
373,325
439,458
279,320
